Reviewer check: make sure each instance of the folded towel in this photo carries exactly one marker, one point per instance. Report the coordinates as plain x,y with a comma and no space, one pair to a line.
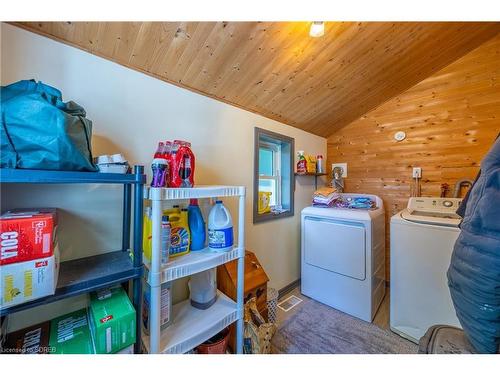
325,191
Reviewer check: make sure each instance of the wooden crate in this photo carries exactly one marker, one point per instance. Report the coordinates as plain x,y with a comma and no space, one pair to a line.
255,285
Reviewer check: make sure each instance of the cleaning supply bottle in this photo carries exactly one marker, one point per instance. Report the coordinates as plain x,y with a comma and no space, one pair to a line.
203,289
180,237
220,228
147,234
165,239
196,226
174,210
302,163
165,305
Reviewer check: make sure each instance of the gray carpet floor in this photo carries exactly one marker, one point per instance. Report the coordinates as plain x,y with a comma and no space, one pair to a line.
319,329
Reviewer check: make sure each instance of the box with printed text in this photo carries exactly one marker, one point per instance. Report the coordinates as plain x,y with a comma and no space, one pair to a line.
112,320
27,234
26,281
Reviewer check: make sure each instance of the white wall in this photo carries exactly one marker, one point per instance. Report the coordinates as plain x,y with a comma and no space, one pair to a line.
131,112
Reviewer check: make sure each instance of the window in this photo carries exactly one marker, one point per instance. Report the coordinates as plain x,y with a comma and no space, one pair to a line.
273,176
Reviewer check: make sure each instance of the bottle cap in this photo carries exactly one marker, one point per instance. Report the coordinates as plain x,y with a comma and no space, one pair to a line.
218,201
164,218
193,202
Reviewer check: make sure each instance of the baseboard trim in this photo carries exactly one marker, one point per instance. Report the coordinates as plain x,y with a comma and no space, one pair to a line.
286,289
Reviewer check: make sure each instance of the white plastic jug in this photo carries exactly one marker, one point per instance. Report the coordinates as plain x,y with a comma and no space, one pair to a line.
203,289
220,228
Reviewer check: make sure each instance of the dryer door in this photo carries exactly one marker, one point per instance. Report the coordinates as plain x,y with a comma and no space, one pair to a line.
336,246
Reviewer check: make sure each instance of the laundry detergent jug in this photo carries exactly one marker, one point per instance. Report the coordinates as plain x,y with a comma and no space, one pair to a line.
220,228
196,226
180,236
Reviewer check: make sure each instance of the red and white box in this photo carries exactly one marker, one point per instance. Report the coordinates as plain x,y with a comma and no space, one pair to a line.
27,234
26,281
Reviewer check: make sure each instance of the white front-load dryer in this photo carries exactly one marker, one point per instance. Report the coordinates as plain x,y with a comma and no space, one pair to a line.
343,257
422,240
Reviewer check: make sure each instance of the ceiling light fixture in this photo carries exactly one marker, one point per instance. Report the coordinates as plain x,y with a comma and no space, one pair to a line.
317,29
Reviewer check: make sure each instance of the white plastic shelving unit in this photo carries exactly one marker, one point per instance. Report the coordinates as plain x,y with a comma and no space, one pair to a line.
190,326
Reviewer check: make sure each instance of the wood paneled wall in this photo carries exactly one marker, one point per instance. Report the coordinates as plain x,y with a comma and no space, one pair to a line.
451,119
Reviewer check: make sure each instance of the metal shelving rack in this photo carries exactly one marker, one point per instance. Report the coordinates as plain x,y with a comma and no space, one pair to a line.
87,274
190,326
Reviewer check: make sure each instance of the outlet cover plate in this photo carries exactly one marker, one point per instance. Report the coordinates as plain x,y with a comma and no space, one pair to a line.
343,166
417,172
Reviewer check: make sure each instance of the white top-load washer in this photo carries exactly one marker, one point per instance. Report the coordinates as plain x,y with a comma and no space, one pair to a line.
422,240
343,257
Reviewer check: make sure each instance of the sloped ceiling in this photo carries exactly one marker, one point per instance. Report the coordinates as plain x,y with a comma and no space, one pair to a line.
275,68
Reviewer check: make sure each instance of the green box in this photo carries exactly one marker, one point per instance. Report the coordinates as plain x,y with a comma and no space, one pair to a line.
70,334
112,320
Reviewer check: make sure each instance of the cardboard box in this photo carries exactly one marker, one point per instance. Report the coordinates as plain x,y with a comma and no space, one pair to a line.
31,340
26,281
27,234
311,163
112,320
70,334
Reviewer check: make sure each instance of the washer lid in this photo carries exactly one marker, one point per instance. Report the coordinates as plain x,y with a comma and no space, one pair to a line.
434,218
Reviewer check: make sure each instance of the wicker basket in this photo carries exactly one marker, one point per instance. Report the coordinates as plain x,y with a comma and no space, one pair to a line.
272,304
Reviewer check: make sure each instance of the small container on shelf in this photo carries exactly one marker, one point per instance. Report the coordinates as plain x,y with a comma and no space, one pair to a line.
216,344
320,167
165,306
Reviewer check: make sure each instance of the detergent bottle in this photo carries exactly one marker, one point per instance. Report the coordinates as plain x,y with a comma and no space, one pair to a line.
220,228
146,234
165,239
179,233
174,210
196,226
302,163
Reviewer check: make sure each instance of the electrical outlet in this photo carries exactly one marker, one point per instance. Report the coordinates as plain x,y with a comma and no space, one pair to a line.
417,172
343,166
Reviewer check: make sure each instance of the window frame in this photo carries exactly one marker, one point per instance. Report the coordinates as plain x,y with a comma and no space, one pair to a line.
276,150
288,159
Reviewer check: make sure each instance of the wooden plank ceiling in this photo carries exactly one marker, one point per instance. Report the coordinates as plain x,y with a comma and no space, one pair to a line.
275,68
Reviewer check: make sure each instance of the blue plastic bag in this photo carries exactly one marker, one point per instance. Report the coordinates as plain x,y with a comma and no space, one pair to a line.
39,131
474,273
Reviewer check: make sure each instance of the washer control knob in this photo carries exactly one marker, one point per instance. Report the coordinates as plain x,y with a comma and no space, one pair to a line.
447,203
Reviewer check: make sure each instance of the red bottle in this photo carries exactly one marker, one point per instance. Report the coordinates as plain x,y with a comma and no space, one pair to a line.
159,151
183,164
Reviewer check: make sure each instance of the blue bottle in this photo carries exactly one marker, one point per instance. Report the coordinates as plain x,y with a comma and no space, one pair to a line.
196,226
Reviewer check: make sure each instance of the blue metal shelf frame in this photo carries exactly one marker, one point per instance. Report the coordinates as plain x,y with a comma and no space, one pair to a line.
38,176
84,275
